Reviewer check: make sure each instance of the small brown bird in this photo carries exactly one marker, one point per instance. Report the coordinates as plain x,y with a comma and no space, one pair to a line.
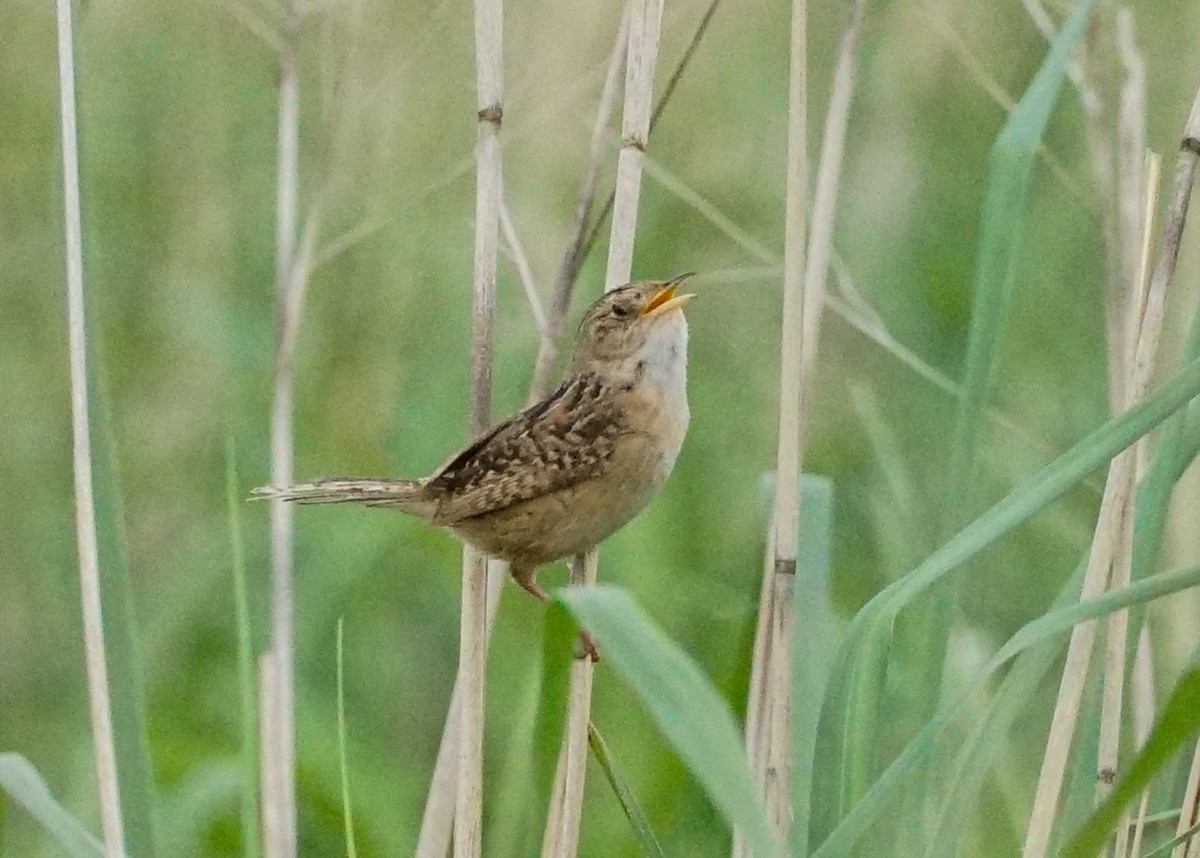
561,476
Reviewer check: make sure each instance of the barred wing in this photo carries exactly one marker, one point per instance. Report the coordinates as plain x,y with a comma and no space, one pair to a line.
565,438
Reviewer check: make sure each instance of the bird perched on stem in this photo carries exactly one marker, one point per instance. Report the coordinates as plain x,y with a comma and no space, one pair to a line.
559,477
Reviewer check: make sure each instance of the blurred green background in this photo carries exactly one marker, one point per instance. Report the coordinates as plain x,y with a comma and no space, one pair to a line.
178,118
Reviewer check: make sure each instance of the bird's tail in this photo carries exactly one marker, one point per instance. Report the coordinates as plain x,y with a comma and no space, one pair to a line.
404,495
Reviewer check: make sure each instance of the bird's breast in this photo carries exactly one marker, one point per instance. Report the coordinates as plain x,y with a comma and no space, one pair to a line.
656,401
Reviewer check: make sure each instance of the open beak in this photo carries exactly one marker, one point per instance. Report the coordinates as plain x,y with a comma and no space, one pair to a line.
666,300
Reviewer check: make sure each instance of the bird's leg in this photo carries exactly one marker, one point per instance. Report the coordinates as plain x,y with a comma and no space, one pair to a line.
527,580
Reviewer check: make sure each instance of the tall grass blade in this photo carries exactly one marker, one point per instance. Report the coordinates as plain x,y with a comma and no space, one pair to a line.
816,640
1002,227
21,781
1178,726
863,654
688,709
624,793
247,694
895,778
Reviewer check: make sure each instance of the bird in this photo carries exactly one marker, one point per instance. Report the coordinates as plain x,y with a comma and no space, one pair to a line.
559,477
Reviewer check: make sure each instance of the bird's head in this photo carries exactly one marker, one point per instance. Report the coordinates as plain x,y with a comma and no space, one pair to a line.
625,321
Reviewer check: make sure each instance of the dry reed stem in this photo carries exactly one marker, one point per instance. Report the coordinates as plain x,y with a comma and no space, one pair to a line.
664,99
104,747
645,26
279,731
803,303
1115,503
1117,634
437,822
269,769
566,810
468,809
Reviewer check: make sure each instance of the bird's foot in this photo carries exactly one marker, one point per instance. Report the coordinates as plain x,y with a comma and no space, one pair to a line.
585,647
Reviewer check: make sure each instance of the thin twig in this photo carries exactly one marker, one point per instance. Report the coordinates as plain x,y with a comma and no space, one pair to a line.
524,271
468,811
279,739
104,746
568,269
1115,501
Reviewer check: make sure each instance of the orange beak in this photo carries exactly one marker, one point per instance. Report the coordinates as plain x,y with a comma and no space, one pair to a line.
666,300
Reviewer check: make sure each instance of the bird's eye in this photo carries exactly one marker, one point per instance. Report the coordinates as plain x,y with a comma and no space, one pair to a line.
620,311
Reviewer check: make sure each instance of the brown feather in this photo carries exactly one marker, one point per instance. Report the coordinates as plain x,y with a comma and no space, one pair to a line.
568,437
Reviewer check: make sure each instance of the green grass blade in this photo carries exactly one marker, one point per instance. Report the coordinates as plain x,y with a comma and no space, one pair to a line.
816,639
863,654
247,688
688,709
970,763
511,821
624,793
1178,725
1045,628
124,661
1002,226
343,762
558,643
25,786
1166,849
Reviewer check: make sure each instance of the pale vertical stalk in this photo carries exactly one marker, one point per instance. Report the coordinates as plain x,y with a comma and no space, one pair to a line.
268,770
1117,633
437,822
279,728
472,661
804,297
104,748
1113,506
563,824
645,25
775,767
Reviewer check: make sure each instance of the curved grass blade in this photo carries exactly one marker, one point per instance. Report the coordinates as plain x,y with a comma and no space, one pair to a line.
629,803
863,654
893,780
688,709
1179,724
25,786
1009,172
